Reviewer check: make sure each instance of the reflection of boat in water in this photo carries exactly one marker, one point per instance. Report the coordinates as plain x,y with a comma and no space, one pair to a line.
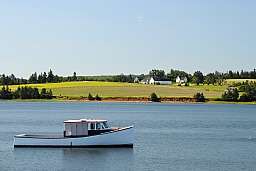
81,133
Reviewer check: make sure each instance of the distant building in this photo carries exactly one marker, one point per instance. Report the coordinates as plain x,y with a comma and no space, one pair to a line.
161,82
136,80
152,80
145,81
181,80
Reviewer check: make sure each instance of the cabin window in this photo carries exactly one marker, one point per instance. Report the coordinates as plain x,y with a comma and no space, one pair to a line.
102,126
98,126
105,125
92,126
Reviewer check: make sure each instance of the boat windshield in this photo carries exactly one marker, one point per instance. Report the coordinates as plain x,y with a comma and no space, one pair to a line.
98,126
105,125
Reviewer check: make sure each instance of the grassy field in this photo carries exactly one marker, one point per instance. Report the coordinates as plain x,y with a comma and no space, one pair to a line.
230,81
114,89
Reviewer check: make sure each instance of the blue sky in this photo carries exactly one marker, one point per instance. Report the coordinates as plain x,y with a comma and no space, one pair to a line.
126,36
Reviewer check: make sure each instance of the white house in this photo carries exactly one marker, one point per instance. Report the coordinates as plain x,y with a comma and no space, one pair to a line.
145,81
152,80
181,80
165,82
136,80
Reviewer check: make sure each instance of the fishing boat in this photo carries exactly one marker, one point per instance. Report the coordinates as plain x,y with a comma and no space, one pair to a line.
80,133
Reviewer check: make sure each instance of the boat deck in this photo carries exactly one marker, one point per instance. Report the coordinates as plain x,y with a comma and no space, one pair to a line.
61,136
43,136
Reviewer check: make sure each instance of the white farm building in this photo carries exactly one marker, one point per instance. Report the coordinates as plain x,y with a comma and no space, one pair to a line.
161,82
181,80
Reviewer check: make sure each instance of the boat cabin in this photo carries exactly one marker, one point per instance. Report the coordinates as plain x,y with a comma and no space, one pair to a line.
85,127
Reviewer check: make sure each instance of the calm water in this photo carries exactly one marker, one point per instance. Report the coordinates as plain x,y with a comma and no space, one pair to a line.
168,136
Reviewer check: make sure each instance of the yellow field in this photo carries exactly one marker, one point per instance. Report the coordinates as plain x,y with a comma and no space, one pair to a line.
114,89
230,81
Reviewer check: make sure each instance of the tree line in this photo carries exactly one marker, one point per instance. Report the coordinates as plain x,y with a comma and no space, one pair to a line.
36,78
25,93
197,77
50,78
11,80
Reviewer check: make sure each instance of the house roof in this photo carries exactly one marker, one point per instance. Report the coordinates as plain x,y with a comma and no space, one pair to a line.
182,78
160,79
146,79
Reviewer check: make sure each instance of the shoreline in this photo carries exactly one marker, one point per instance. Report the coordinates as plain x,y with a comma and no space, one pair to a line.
166,100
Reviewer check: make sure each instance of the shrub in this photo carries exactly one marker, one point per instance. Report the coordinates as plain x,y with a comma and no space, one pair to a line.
154,98
243,88
44,94
249,93
97,97
244,98
90,97
25,93
6,93
231,94
199,97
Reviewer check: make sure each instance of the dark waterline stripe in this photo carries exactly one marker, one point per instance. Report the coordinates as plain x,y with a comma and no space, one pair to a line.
76,146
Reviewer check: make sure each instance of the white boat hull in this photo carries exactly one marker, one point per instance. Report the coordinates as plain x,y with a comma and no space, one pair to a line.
123,137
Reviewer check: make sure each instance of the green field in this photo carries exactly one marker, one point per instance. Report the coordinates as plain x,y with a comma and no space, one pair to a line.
114,89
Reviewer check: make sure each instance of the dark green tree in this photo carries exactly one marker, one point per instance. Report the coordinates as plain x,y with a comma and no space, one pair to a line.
56,78
198,77
97,97
118,78
13,80
40,78
231,94
44,77
90,97
4,80
210,79
249,90
199,97
154,98
219,77
24,93
157,74
74,78
33,78
46,94
245,98
50,77
36,94
6,93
